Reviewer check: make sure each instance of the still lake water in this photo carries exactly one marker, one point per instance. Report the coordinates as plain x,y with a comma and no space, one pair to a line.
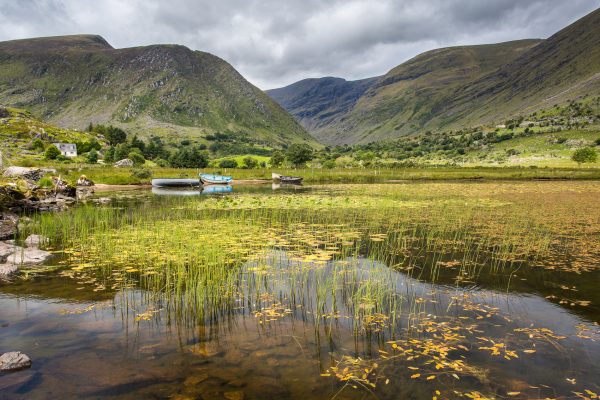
374,322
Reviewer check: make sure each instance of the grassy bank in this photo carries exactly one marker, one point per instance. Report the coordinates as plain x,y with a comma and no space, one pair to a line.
122,176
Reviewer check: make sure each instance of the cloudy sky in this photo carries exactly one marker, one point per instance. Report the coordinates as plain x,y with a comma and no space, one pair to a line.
277,42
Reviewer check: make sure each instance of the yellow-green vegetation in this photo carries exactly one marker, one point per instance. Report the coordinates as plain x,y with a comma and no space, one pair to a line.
24,137
125,176
351,262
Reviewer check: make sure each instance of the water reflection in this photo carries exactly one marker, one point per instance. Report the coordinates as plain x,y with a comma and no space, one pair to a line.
289,323
206,190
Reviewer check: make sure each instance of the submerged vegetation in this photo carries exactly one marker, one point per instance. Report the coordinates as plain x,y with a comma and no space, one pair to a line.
389,288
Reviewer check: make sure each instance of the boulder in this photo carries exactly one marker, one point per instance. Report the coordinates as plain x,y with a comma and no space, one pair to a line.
14,361
27,256
31,174
8,225
34,241
84,181
8,269
124,163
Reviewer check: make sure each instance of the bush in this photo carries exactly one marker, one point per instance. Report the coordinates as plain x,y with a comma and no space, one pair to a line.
45,182
161,162
329,164
277,158
141,173
250,162
137,158
597,142
228,163
299,154
38,145
585,155
92,157
52,153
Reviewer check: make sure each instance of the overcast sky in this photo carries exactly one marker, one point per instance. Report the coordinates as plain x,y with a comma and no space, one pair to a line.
277,42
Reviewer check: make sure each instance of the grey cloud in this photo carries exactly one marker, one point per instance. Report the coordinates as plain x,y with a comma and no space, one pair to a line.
276,42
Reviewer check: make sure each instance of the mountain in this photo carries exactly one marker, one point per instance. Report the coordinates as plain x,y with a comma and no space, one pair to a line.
400,102
316,103
463,86
165,90
564,67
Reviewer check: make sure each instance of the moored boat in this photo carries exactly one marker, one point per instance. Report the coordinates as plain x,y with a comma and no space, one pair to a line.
212,179
286,179
175,182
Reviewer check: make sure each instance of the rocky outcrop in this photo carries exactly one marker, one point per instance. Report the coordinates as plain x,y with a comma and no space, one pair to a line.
12,256
30,174
8,226
14,361
84,181
124,163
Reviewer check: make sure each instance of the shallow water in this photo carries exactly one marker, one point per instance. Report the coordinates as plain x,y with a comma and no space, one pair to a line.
349,327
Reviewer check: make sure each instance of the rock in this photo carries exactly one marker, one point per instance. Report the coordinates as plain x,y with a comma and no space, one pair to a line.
195,379
28,256
126,162
205,349
13,382
7,249
84,192
31,174
102,200
63,188
8,226
7,269
84,181
14,361
237,395
34,241
267,388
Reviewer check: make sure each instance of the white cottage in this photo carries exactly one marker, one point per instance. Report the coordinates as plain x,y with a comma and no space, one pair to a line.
67,149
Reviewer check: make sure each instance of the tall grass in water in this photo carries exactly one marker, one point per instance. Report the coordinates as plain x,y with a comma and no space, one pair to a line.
202,259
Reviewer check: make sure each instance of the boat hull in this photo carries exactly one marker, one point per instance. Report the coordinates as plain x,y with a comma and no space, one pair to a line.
211,179
175,182
295,180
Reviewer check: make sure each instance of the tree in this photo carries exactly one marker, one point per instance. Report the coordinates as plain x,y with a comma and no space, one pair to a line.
228,163
114,135
38,145
137,143
585,155
122,150
250,162
109,155
299,154
92,157
277,158
137,158
52,152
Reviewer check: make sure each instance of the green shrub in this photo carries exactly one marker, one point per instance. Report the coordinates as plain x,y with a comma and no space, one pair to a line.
38,145
141,173
52,153
585,155
137,158
92,157
250,162
45,182
228,163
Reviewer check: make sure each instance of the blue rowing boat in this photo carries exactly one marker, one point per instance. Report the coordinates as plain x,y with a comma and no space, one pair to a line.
215,179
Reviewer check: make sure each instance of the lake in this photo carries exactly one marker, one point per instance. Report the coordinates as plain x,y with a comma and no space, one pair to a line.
369,291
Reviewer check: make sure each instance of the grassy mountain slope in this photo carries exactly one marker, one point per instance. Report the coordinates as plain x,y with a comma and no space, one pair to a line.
316,103
563,67
19,129
167,90
402,100
464,86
